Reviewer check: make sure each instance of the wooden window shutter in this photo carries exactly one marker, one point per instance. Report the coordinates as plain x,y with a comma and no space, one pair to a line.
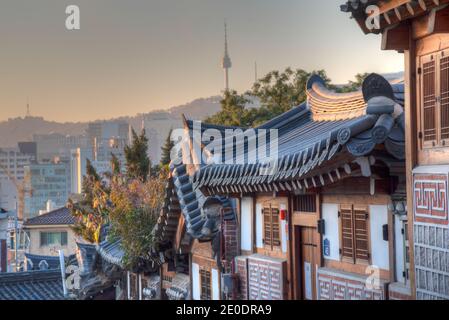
347,231
275,226
267,225
428,100
205,278
361,233
444,96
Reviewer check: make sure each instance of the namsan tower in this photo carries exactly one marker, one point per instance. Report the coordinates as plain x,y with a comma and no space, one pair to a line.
226,62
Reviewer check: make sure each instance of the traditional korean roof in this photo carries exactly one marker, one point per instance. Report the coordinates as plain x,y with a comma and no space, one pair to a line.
31,285
111,252
61,216
86,256
40,262
326,126
391,12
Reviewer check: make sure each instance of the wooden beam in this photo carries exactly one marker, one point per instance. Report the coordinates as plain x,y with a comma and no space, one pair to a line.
396,38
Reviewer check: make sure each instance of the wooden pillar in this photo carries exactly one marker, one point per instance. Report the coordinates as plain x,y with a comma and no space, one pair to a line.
411,140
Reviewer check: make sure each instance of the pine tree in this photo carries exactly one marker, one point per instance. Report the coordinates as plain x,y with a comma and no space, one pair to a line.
137,162
115,165
166,150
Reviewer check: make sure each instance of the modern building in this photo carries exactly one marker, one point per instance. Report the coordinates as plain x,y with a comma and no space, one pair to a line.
4,216
46,181
157,127
106,137
57,146
50,232
12,172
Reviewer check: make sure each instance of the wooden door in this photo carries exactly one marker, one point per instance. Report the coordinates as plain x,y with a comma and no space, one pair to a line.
308,246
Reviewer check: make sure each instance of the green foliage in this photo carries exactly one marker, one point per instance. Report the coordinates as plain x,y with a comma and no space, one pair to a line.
277,93
135,212
91,211
137,161
166,150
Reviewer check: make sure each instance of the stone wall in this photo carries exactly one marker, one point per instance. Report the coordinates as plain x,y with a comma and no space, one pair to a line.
338,285
431,233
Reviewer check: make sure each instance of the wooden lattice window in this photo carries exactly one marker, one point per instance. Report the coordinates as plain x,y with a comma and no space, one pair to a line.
305,203
206,293
271,228
354,233
434,75
429,102
444,99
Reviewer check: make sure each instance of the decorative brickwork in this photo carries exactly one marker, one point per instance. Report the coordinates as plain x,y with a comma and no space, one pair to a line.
431,236
397,291
430,195
337,285
242,271
267,279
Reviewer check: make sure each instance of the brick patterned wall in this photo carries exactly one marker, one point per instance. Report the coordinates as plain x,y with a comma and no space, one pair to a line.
242,271
267,279
337,285
397,291
431,236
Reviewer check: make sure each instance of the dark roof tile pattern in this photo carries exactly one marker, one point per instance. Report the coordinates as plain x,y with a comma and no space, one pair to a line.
31,285
305,144
61,216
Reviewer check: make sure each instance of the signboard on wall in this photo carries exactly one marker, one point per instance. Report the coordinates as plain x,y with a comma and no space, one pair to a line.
308,280
326,247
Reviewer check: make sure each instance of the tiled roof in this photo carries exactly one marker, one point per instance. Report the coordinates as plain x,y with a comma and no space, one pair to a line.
31,285
304,143
33,261
61,216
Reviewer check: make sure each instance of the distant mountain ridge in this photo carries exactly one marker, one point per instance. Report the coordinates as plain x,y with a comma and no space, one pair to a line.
22,128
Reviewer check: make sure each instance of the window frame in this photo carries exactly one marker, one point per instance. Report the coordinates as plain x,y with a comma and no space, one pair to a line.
205,284
272,242
438,141
63,237
354,259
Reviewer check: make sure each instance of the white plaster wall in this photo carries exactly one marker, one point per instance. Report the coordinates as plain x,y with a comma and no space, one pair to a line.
259,226
246,225
215,285
196,290
379,247
399,248
330,215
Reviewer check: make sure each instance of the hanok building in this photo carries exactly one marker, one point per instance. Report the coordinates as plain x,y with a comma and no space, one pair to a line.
197,235
420,30
329,219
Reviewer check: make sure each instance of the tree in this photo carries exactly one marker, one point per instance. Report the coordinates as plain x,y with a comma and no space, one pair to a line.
91,211
136,208
115,165
137,162
166,150
353,85
232,110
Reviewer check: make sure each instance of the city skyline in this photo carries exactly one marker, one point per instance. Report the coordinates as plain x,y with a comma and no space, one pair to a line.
169,53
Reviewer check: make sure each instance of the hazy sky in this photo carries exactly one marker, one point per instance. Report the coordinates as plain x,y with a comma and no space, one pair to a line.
133,56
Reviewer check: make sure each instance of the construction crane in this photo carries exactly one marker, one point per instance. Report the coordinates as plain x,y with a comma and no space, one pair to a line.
22,190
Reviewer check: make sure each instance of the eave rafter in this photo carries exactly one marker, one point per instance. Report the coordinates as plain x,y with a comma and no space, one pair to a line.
391,12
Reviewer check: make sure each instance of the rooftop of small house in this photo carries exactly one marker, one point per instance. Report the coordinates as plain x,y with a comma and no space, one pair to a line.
31,285
61,216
